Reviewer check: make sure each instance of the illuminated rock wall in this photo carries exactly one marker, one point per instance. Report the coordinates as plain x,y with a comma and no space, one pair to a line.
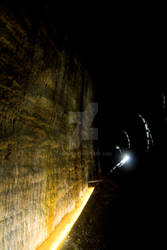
42,173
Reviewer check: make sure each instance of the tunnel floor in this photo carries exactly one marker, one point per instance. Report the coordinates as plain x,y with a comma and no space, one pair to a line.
120,213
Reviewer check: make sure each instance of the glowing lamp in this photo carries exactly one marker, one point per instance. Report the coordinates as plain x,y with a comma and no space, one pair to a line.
125,159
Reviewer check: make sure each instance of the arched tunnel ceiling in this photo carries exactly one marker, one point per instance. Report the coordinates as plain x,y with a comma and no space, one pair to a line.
42,175
124,53
125,56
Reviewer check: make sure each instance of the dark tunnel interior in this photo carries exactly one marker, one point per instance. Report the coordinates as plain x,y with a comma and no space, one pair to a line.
125,54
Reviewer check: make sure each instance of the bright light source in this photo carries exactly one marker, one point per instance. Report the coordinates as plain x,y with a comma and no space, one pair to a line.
121,163
63,228
125,159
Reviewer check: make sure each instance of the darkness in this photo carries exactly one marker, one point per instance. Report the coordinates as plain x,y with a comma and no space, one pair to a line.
125,51
125,54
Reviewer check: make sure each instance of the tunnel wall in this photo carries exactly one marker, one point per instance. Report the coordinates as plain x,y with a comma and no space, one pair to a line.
43,171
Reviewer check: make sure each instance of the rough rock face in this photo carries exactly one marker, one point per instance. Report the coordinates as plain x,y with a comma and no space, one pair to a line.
43,171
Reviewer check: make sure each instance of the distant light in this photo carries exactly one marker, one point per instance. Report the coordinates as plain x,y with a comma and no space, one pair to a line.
63,228
125,159
117,147
121,163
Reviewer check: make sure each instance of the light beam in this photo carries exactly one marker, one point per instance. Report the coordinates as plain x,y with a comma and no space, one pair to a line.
125,159
121,163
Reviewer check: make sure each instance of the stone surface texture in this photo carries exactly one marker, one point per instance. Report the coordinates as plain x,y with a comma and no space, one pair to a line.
43,168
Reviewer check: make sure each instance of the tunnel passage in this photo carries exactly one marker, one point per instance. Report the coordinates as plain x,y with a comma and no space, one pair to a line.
42,169
45,88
